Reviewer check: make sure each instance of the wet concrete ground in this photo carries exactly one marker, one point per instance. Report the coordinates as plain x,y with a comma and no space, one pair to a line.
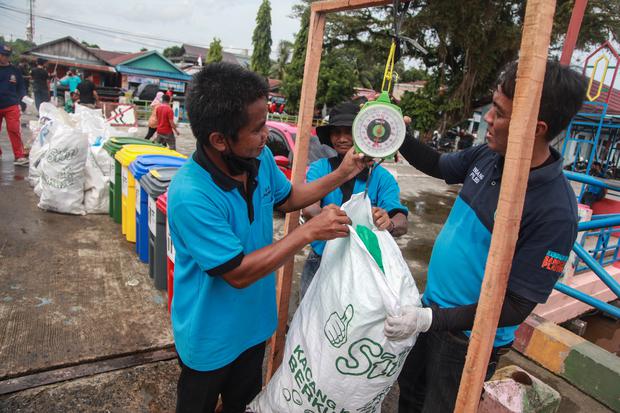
72,292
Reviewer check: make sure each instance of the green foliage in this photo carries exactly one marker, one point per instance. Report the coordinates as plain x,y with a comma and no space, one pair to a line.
293,76
93,45
143,49
261,40
336,79
215,51
19,46
284,53
424,107
601,21
174,51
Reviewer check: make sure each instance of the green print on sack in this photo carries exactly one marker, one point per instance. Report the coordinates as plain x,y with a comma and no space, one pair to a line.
366,358
371,242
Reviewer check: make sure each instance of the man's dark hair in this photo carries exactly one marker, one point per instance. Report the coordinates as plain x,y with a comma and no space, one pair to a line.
562,96
218,98
41,61
165,98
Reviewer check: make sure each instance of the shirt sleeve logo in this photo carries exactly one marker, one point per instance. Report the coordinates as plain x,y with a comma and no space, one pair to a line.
554,261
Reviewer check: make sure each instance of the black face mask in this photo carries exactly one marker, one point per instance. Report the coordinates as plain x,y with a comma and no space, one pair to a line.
237,164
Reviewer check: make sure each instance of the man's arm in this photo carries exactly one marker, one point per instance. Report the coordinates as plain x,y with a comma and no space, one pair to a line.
330,223
308,193
96,96
21,86
421,156
171,120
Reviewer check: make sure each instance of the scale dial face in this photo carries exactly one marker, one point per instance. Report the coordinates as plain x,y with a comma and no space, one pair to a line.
379,130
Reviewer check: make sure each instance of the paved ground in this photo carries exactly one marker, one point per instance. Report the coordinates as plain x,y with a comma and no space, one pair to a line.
73,295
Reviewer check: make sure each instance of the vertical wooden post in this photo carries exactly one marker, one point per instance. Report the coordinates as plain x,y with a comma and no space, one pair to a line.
526,103
573,31
306,111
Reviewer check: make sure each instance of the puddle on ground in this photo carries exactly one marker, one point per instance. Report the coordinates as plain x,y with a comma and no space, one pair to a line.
604,331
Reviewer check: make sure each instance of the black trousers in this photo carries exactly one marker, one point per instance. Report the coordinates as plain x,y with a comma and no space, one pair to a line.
150,134
429,381
237,382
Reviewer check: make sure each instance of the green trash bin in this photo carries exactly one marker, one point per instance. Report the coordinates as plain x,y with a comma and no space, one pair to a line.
112,146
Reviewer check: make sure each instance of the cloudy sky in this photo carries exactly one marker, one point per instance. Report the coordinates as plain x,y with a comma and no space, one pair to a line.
108,23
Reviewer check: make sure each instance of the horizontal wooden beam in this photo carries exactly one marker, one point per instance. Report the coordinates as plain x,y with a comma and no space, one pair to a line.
330,6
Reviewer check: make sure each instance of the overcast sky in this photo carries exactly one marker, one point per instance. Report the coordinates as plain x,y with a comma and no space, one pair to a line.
189,21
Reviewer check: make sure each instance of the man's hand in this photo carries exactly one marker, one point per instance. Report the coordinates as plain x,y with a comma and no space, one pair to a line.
382,219
329,224
413,320
353,163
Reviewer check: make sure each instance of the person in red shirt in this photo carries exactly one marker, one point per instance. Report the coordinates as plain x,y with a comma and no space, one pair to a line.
165,124
170,92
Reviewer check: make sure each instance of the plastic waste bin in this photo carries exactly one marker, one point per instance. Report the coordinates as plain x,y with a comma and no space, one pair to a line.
128,194
112,146
141,166
162,207
155,183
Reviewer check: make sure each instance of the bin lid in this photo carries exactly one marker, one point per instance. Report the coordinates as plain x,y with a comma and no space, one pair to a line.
113,145
162,202
130,152
157,180
144,163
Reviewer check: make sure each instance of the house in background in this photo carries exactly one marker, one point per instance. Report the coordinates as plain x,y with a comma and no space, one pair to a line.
192,53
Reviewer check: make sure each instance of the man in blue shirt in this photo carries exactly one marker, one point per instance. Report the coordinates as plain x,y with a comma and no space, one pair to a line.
220,212
388,213
430,378
71,80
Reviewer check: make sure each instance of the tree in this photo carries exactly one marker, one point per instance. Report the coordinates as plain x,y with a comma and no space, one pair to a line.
174,51
143,49
19,46
215,51
261,40
293,76
284,53
92,45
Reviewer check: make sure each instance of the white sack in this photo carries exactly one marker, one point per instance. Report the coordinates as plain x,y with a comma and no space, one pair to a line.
62,171
337,358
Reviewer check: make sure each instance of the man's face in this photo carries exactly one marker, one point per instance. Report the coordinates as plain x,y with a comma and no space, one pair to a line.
498,119
4,60
252,137
341,138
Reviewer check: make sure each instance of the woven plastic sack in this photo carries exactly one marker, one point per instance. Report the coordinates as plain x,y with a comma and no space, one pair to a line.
337,358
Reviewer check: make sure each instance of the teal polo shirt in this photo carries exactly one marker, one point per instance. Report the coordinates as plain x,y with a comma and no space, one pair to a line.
214,223
383,190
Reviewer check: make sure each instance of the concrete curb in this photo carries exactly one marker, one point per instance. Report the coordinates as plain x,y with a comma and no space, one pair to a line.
585,365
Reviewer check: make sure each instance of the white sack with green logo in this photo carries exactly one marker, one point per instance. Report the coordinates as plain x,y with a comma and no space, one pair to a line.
337,358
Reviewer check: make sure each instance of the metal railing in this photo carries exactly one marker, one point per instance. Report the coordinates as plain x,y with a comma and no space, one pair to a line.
606,229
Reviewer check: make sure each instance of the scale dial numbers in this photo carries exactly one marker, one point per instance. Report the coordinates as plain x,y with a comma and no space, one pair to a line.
379,130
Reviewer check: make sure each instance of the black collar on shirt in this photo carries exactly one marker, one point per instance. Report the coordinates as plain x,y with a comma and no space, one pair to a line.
544,173
347,187
226,182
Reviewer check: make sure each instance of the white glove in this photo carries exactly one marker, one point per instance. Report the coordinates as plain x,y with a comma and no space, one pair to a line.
413,320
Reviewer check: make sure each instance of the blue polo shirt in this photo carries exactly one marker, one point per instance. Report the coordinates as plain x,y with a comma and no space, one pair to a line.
546,235
72,82
383,190
213,224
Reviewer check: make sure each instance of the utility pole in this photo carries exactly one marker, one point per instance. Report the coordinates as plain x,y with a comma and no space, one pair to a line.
30,26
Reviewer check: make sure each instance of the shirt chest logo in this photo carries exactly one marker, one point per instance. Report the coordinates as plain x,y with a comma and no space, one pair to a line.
267,192
12,79
476,175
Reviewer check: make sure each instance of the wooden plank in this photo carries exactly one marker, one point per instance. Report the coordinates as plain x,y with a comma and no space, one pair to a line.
84,370
300,159
530,76
331,6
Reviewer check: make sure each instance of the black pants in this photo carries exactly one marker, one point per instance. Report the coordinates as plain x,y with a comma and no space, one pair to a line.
150,134
429,381
237,382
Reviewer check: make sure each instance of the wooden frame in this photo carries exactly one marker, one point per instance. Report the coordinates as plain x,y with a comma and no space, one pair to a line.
533,56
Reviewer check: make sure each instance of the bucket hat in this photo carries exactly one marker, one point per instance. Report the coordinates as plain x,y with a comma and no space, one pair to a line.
341,115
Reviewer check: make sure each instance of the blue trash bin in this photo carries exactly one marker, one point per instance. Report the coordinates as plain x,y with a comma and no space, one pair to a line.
141,166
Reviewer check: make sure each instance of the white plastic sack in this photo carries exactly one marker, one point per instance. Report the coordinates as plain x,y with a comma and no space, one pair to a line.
337,358
42,132
62,171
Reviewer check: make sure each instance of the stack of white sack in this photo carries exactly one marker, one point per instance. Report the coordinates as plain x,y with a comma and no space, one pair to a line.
336,357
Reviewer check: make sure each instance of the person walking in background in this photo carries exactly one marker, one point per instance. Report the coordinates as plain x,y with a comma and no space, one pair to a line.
12,90
152,124
170,92
71,80
165,124
88,92
24,67
40,83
